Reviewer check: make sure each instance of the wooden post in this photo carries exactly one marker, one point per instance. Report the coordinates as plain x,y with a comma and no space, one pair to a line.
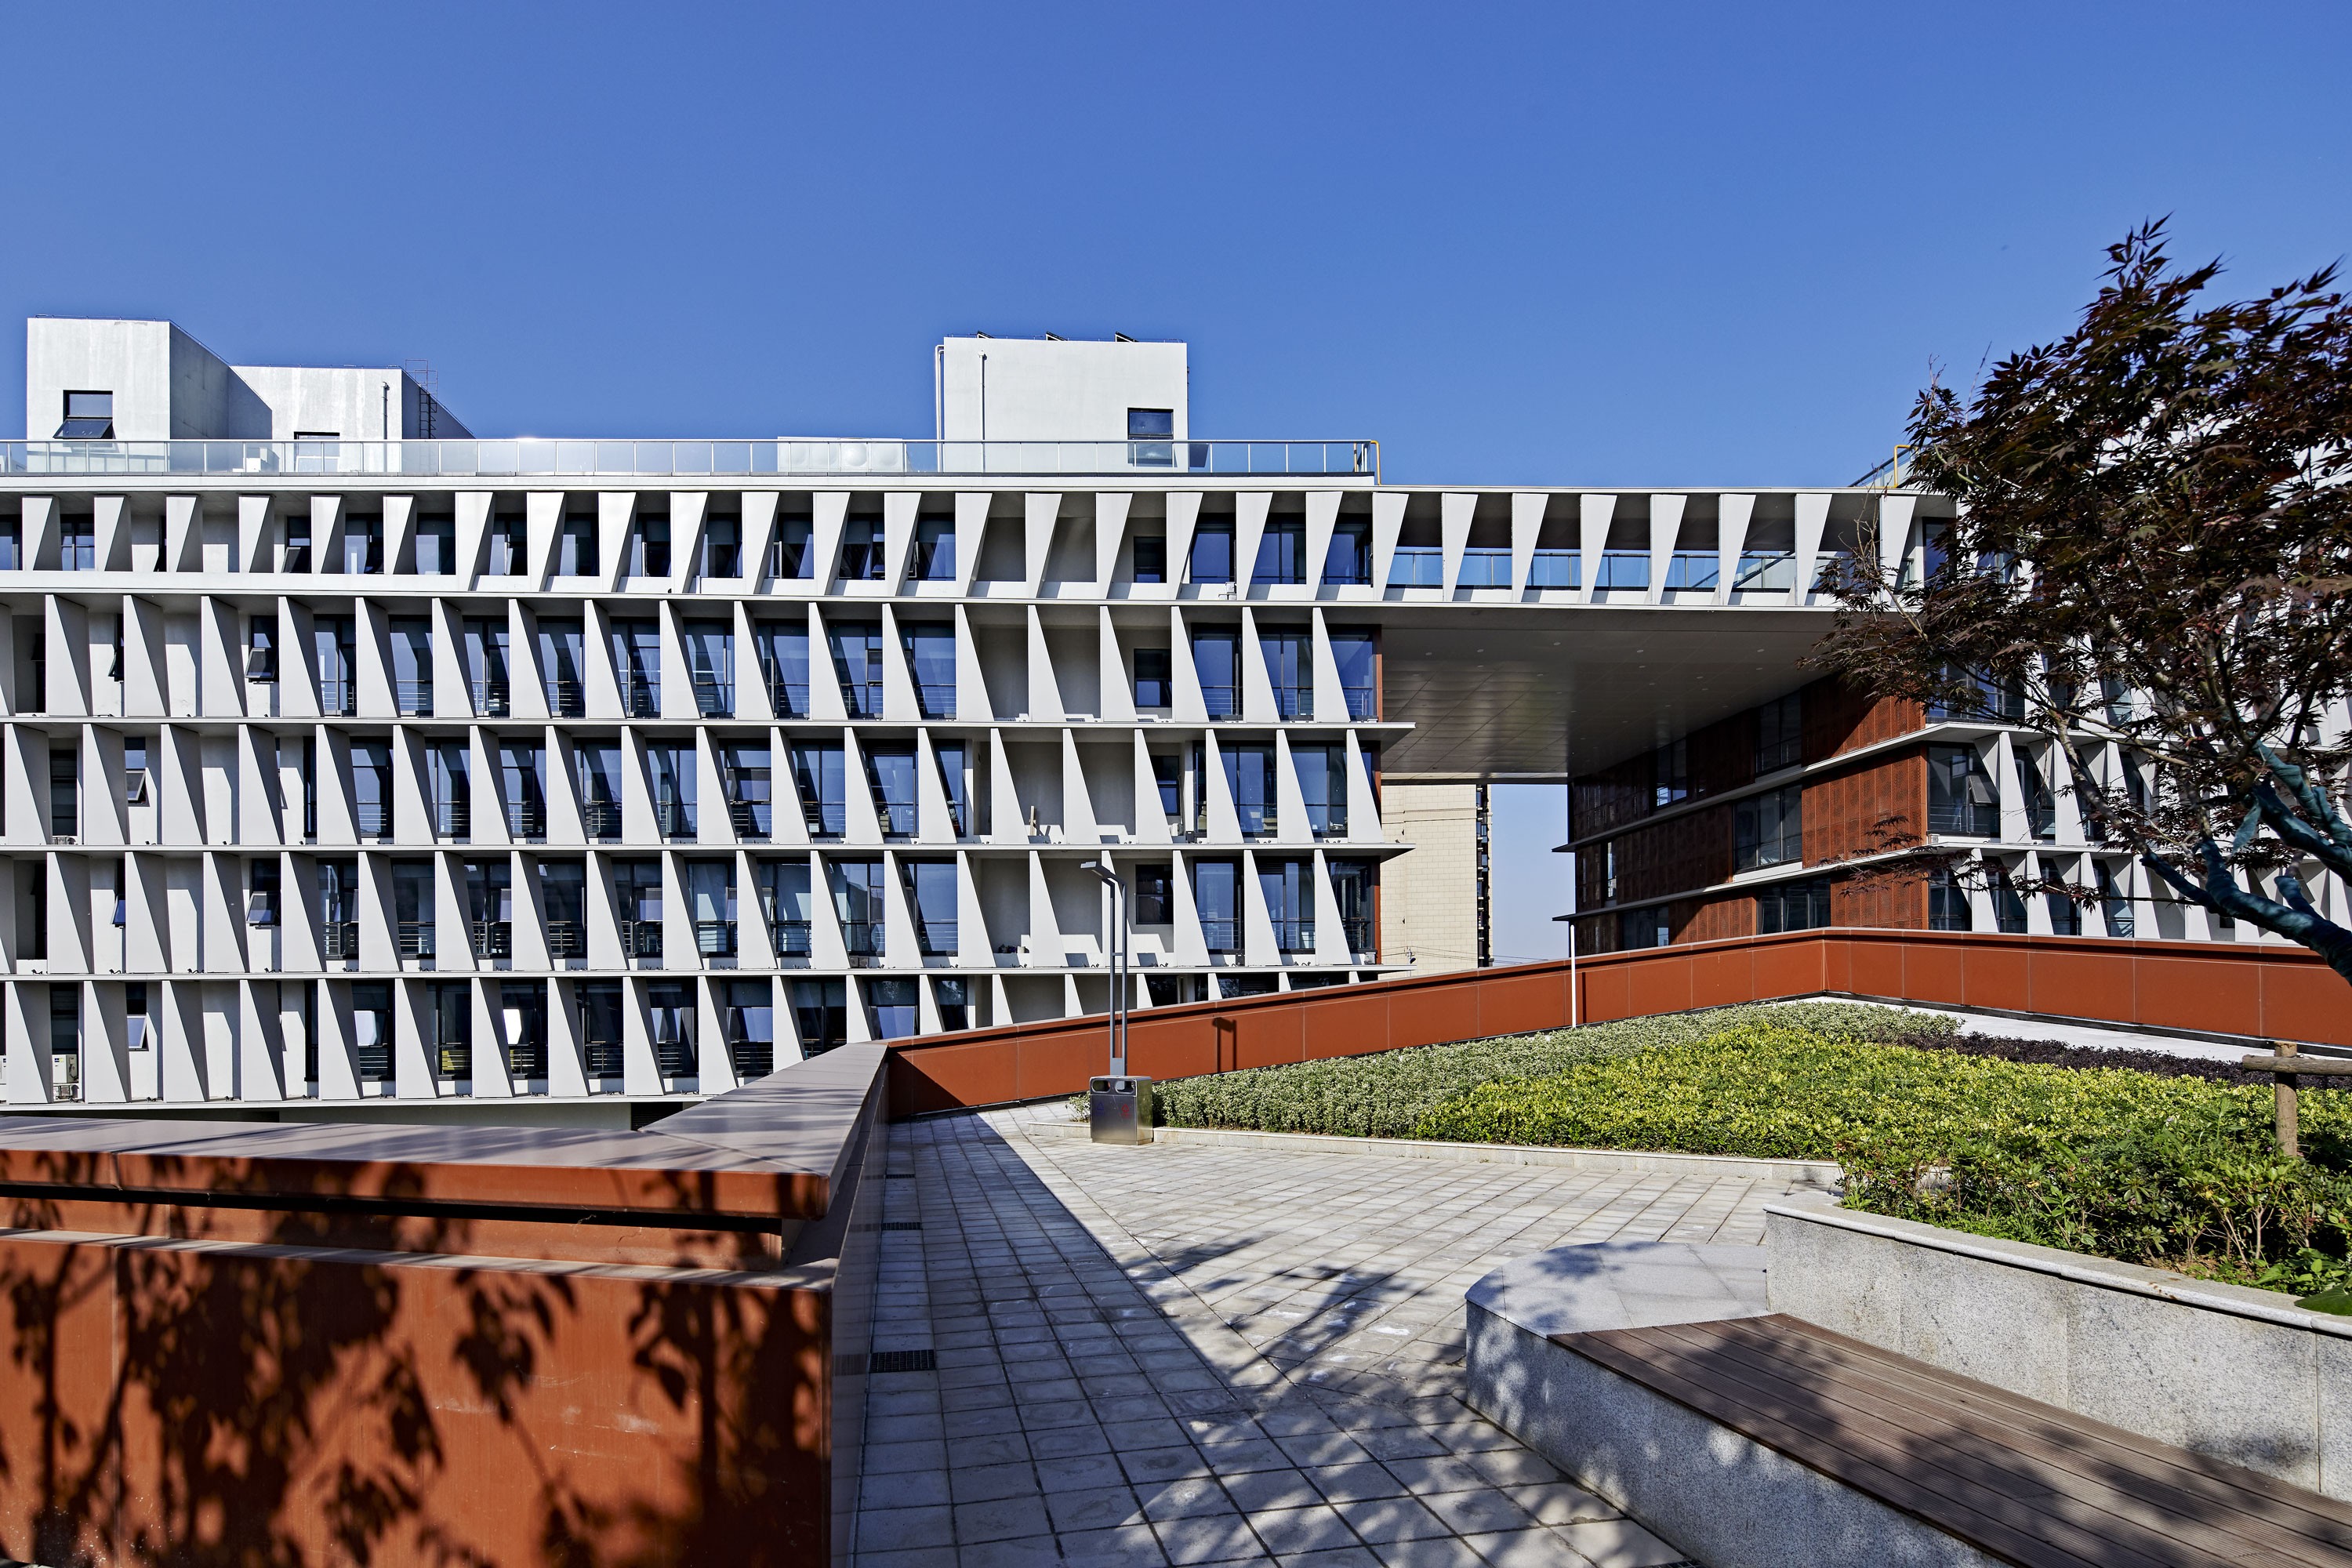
2285,1087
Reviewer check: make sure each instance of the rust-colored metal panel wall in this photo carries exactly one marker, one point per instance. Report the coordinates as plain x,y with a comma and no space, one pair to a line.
199,1402
2259,992
1838,718
1866,809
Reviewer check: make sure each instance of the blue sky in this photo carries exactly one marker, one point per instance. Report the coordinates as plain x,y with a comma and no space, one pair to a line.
1662,244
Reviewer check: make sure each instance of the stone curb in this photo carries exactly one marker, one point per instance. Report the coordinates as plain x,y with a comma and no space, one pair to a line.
1820,1174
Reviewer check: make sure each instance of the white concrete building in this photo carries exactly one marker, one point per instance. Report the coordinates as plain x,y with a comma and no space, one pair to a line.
440,776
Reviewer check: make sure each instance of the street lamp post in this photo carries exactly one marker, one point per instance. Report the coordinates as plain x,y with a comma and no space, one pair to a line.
1118,1105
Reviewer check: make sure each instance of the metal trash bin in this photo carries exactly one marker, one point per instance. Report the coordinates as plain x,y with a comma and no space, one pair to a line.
1118,1110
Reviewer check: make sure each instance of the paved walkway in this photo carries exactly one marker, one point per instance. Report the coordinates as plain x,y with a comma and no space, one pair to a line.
1192,1354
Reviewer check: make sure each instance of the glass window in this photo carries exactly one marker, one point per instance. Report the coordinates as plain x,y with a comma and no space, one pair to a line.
1793,906
412,667
862,550
674,786
1290,666
817,775
1417,566
1554,569
64,793
2114,908
1638,928
261,897
744,769
600,787
792,557
1155,894
821,1014
711,664
1281,552
371,1029
857,902
78,543
722,546
891,1003
1625,569
1767,571
562,655
2008,903
363,544
1213,556
436,547
751,1028
890,772
1670,775
412,907
1216,888
1961,796
1348,561
954,999
372,787
931,655
1692,569
784,664
1167,774
952,779
600,1027
637,660
1289,889
522,779
510,544
88,416
1154,683
2040,802
575,545
649,546
1356,652
1354,885
448,765
1216,657
931,890
1770,828
1779,734
1147,433
1323,781
1249,775
1485,567
1151,558
857,661
935,551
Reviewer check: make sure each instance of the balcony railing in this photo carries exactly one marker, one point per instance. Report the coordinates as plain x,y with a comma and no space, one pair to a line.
414,938
1362,701
936,939
374,1063
863,698
371,821
752,1059
604,1058
661,459
566,939
714,698
1356,931
338,940
715,939
788,697
493,939
791,937
898,818
1295,935
1221,935
526,819
641,939
565,700
1294,701
491,698
936,701
1485,567
601,818
750,818
415,698
338,697
673,1054
863,941
641,698
454,1058
1417,566
674,817
453,818
527,1059
1221,701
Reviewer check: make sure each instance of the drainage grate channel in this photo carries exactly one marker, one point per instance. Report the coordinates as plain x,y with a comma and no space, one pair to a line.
900,1225
903,1361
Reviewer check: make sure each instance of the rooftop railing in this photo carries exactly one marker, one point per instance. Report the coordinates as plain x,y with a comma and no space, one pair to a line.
629,458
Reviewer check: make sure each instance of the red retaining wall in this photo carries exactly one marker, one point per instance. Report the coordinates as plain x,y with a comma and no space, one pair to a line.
2262,992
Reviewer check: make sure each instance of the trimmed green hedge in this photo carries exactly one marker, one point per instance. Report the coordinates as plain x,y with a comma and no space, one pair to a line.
2174,1172
1388,1094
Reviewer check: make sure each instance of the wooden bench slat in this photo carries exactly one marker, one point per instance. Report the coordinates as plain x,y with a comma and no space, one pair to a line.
2079,1485
1997,1526
2072,1438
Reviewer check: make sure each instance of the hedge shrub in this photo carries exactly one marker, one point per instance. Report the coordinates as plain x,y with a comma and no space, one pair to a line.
1387,1094
2174,1172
